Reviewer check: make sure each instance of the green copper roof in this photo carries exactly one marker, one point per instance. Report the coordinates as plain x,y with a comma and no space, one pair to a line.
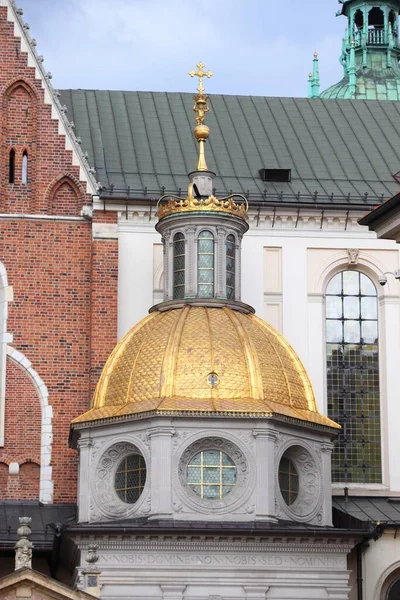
143,140
370,53
377,82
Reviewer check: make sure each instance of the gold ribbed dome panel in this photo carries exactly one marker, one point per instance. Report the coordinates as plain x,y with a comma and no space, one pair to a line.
163,365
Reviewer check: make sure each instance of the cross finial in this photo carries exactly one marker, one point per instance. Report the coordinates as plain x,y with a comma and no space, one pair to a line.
200,106
201,131
200,74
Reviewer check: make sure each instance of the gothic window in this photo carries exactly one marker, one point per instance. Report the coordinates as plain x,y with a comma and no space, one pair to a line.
230,267
211,474
353,377
205,265
11,167
130,478
179,266
24,168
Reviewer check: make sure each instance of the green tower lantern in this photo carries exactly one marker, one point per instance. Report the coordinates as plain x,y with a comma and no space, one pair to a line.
370,52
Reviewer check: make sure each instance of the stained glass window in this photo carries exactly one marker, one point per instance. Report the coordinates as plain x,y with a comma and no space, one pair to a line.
230,267
353,377
205,265
288,480
179,266
130,478
211,474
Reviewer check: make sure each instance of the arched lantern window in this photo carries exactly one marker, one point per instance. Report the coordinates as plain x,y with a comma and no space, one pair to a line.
179,266
230,267
205,265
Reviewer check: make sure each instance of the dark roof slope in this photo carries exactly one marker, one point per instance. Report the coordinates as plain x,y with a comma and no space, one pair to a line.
45,518
143,140
371,509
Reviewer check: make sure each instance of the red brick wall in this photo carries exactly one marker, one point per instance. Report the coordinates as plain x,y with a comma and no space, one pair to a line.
26,124
64,314
104,298
23,418
49,267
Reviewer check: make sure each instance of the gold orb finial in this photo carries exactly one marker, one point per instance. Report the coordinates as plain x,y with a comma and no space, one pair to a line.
201,132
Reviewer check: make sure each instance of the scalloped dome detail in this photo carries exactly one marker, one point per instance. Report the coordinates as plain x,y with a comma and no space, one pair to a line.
198,360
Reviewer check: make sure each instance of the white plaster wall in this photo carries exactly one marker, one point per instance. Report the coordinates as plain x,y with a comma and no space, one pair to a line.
380,559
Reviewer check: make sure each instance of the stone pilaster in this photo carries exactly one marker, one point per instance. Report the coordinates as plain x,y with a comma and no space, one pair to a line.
161,457
255,592
84,457
265,468
172,591
326,457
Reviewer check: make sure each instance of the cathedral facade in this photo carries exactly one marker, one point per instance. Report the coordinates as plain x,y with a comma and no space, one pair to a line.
199,341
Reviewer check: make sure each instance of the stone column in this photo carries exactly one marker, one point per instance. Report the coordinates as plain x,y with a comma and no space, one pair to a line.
161,458
190,269
265,473
168,248
238,268
84,457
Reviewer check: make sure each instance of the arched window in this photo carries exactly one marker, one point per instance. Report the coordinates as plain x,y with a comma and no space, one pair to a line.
359,19
179,266
393,592
11,167
205,265
376,33
353,377
230,267
24,175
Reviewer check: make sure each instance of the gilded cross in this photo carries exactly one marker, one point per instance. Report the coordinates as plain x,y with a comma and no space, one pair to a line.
200,74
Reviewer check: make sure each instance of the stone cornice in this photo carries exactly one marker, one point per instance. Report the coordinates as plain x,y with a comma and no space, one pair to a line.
174,543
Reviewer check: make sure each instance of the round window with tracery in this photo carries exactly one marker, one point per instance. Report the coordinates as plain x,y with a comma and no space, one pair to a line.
130,478
211,474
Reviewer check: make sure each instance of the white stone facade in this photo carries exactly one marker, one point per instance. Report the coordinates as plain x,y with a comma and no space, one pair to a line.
177,567
255,447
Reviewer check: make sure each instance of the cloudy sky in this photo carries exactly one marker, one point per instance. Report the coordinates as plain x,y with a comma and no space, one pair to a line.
259,47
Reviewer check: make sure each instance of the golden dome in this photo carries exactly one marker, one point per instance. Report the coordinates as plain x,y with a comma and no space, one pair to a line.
204,360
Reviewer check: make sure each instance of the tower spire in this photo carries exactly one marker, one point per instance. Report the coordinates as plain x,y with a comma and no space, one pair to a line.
370,51
313,79
201,131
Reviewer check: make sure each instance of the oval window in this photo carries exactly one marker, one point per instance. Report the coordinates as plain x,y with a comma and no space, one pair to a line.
288,480
130,478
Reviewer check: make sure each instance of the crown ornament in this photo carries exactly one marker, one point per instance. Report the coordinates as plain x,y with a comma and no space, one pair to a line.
169,205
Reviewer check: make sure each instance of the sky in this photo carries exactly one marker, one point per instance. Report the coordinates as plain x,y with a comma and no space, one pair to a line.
253,47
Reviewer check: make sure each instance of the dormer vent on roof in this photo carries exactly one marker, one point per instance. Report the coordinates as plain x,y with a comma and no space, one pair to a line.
281,175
